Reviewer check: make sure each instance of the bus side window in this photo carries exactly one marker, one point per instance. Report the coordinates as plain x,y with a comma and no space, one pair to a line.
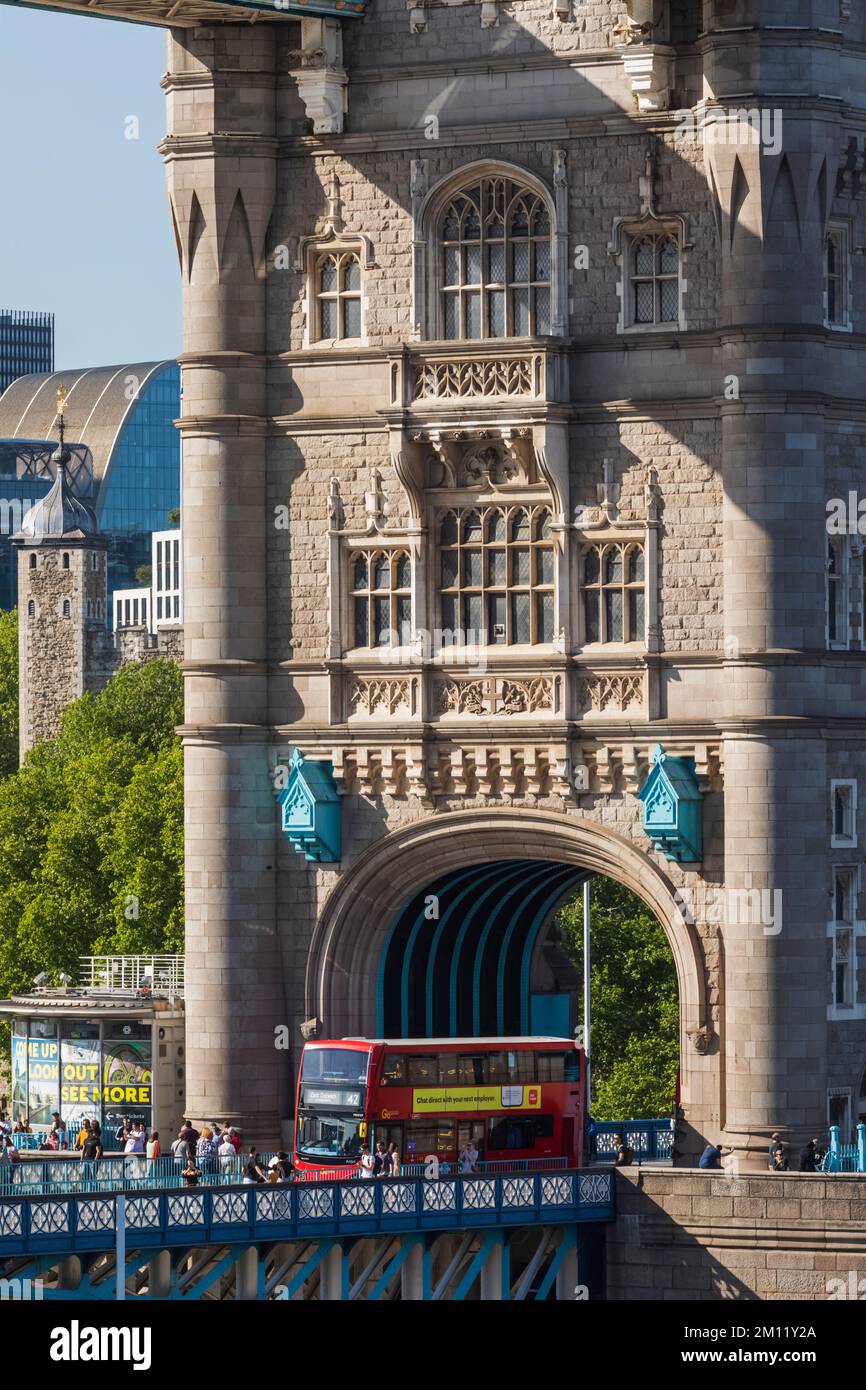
572,1066
525,1068
551,1066
394,1070
422,1070
471,1071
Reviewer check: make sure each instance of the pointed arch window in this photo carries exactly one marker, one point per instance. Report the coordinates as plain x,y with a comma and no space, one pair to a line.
381,591
495,262
654,279
614,593
337,287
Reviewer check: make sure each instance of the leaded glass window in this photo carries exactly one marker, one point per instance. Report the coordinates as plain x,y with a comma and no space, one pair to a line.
381,587
495,262
614,593
496,576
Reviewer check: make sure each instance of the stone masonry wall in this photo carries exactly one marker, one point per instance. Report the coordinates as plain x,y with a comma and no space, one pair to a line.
701,1236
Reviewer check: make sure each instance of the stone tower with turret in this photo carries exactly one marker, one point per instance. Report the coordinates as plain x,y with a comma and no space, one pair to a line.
523,367
64,647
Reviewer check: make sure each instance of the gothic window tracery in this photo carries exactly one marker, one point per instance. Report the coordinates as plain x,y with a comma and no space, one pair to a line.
381,598
496,575
654,278
613,578
337,285
495,254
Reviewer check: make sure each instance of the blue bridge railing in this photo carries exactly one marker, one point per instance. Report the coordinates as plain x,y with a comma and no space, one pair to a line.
47,1177
846,1158
652,1140
88,1221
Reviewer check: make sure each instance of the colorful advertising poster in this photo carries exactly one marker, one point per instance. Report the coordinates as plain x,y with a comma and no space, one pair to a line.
19,1076
43,1080
440,1100
80,1090
127,1084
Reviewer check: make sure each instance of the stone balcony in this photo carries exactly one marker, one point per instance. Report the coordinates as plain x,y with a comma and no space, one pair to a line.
437,376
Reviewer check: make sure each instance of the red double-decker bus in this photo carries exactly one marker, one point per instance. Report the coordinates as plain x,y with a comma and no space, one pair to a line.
512,1098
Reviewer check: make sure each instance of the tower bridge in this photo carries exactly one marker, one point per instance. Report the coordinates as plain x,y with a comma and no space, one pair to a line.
481,337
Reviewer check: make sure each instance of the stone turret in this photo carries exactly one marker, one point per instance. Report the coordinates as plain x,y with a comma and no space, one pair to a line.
64,647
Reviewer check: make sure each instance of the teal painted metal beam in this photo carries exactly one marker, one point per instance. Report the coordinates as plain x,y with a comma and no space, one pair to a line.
309,1268
476,1264
390,1270
528,947
458,950
498,879
407,958
567,1243
531,879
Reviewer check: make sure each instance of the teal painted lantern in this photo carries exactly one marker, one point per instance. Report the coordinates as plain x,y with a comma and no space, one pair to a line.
672,807
310,809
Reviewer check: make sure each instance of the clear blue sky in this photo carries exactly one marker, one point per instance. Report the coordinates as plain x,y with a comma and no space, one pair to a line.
84,224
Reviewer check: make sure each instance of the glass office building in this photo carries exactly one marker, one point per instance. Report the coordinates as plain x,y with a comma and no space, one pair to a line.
127,465
26,344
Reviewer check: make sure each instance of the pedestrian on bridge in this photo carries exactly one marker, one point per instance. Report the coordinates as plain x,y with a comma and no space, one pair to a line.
253,1169
808,1158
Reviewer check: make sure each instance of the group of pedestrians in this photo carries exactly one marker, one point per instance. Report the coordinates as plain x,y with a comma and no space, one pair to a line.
384,1163
812,1158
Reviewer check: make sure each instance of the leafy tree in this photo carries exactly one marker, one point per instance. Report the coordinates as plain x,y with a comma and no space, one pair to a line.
635,1003
8,692
91,831
174,516
143,574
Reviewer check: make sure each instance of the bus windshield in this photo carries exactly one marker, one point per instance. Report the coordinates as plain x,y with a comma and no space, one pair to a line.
335,1065
329,1136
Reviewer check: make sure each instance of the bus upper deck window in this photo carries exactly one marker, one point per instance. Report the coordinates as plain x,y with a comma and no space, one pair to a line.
422,1070
472,1071
394,1070
572,1066
551,1066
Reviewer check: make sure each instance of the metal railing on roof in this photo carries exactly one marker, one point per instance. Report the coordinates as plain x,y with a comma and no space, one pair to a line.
160,975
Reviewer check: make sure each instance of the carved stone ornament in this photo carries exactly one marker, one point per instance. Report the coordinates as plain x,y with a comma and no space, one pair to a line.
701,1039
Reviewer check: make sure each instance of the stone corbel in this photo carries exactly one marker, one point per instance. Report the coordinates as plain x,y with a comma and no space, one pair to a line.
559,770
701,1039
416,774
649,69
417,16
489,14
322,80
408,463
550,442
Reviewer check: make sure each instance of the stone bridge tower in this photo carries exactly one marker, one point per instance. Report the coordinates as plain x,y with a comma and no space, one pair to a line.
523,355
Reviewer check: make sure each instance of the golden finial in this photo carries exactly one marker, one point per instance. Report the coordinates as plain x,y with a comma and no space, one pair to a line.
61,405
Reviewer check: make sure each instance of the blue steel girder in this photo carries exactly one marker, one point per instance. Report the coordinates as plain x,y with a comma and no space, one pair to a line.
75,1224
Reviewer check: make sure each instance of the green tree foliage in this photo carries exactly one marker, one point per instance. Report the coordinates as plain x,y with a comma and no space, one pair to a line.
91,831
8,692
635,1004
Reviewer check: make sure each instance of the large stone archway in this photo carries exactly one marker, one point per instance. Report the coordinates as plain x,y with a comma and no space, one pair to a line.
349,937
